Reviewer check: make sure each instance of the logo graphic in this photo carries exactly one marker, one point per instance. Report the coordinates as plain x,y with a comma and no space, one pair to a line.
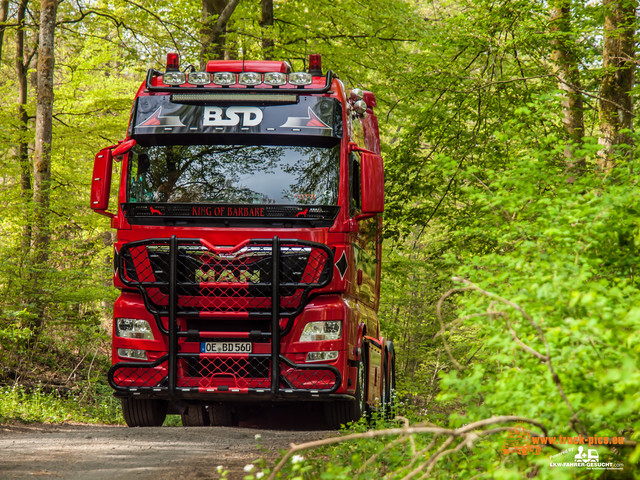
154,211
312,121
303,213
157,120
585,459
519,441
219,117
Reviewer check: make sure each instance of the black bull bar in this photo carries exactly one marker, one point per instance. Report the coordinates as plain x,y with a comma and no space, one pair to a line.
263,282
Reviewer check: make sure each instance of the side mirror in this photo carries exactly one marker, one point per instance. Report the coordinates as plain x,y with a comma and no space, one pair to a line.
101,181
372,183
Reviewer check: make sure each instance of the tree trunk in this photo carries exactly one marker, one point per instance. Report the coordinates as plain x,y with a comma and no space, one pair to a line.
213,32
615,105
266,22
4,11
22,148
568,74
42,154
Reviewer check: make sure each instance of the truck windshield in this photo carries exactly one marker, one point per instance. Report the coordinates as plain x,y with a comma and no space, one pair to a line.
242,174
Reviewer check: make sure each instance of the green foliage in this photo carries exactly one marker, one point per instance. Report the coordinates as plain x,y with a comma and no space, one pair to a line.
45,406
571,264
55,334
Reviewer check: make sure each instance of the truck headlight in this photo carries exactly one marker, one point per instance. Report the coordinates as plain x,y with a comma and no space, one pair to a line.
133,328
132,353
322,356
318,331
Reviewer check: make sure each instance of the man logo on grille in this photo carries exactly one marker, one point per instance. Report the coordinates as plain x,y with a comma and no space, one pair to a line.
227,276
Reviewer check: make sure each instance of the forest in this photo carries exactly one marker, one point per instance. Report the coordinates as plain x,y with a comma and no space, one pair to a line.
512,217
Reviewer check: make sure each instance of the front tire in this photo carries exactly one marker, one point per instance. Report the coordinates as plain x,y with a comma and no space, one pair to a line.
195,416
222,415
144,412
338,413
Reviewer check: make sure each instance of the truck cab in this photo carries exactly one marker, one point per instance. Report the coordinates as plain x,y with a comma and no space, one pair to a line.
248,247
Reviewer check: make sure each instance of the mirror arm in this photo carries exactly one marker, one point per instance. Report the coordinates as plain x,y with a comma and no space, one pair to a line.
105,213
353,147
364,216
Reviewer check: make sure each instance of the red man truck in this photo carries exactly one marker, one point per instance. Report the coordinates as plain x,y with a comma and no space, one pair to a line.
248,245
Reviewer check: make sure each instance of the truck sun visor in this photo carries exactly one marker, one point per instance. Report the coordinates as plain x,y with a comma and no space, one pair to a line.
310,116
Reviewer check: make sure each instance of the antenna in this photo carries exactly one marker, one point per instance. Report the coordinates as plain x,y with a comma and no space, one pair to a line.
242,49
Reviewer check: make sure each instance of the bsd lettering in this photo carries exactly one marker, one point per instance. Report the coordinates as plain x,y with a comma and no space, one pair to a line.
220,117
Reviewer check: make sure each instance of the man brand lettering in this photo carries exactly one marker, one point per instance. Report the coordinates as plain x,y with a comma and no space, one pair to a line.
219,117
228,211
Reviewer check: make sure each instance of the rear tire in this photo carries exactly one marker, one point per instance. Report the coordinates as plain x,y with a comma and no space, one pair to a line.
195,416
390,386
143,412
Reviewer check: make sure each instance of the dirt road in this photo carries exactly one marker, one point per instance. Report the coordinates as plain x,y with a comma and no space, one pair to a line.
113,453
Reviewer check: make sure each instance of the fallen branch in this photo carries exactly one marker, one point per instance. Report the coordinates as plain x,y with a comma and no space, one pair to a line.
468,433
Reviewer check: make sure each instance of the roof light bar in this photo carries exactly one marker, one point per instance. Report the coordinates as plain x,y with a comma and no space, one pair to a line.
196,80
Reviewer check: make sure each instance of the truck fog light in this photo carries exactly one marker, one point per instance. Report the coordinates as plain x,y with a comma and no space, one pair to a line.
322,356
174,78
199,78
224,78
300,78
318,331
275,78
133,328
249,78
131,353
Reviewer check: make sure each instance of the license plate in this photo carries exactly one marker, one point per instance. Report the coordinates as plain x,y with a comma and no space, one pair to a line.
226,347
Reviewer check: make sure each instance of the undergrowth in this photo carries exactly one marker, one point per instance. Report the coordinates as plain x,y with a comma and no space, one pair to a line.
20,404
58,376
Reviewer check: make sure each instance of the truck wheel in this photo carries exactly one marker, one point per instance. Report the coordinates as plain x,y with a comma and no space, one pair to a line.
338,413
143,412
221,415
195,416
384,385
390,386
